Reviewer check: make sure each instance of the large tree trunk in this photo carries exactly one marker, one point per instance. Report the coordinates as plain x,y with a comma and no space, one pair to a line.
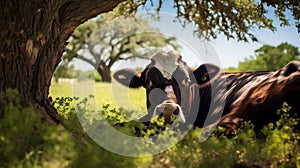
33,35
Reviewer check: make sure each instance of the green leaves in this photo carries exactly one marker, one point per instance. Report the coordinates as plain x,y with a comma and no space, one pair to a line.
270,58
233,18
26,142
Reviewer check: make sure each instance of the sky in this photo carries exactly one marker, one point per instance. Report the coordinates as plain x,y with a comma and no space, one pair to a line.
220,51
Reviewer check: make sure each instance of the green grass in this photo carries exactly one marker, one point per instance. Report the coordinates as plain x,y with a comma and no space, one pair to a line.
120,97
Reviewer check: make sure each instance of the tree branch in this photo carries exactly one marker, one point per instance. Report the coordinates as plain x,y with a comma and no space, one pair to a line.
95,65
135,56
93,53
117,57
71,13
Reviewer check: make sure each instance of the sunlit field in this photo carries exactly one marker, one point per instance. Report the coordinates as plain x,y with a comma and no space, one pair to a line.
116,95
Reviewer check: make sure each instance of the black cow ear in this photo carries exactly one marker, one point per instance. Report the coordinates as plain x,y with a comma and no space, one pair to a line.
129,78
290,68
205,72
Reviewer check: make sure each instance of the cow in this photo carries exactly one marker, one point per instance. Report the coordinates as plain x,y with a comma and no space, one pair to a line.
206,96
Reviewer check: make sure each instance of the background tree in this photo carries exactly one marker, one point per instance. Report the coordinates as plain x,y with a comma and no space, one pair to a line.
270,58
33,34
63,70
102,42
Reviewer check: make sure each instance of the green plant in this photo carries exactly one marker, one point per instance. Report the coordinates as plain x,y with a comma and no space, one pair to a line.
25,141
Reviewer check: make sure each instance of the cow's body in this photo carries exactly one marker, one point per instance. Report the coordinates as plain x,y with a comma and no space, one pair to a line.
205,96
257,96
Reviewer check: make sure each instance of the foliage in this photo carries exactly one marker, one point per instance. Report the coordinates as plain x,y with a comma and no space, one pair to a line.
68,71
63,71
270,58
110,38
27,142
231,69
281,6
89,75
234,19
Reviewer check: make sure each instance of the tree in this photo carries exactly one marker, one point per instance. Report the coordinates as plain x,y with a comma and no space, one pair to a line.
232,18
270,58
281,6
33,35
63,70
108,41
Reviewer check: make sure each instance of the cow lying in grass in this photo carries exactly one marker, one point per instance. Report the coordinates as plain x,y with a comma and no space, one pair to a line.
205,96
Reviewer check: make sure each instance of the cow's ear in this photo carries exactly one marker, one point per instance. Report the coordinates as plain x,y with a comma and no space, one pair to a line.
205,72
129,78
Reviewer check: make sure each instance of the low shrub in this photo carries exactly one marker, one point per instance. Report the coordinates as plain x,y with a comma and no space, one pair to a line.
27,142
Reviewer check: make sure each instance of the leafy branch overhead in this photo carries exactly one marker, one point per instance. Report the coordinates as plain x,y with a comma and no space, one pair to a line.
233,18
101,42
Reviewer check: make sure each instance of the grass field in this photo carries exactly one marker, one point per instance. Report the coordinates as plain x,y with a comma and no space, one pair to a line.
114,94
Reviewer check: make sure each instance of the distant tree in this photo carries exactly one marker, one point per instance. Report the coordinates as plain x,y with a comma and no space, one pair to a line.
231,69
63,71
270,58
103,42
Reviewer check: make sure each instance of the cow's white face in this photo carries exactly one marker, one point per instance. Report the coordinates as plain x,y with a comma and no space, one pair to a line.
166,62
171,86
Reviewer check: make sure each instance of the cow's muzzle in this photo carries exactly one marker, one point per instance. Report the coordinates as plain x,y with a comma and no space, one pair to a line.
169,109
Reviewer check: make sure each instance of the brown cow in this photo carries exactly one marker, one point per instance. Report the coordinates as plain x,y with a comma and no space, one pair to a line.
205,96
263,95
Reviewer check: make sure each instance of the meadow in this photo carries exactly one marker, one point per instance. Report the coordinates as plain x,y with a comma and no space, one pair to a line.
103,92
113,94
27,142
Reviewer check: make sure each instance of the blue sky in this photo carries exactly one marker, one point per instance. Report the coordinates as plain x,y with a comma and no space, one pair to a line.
221,51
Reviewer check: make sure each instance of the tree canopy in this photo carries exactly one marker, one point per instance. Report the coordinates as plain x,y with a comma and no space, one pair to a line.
233,18
270,57
101,42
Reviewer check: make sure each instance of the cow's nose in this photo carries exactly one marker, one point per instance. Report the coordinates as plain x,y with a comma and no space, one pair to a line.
168,109
171,108
176,112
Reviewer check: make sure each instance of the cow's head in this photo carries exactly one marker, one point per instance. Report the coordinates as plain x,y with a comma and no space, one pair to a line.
171,86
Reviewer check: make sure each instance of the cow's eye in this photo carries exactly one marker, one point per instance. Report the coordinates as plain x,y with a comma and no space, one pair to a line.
149,83
204,78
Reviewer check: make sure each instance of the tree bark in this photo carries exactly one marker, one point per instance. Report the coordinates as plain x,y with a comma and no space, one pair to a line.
33,35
